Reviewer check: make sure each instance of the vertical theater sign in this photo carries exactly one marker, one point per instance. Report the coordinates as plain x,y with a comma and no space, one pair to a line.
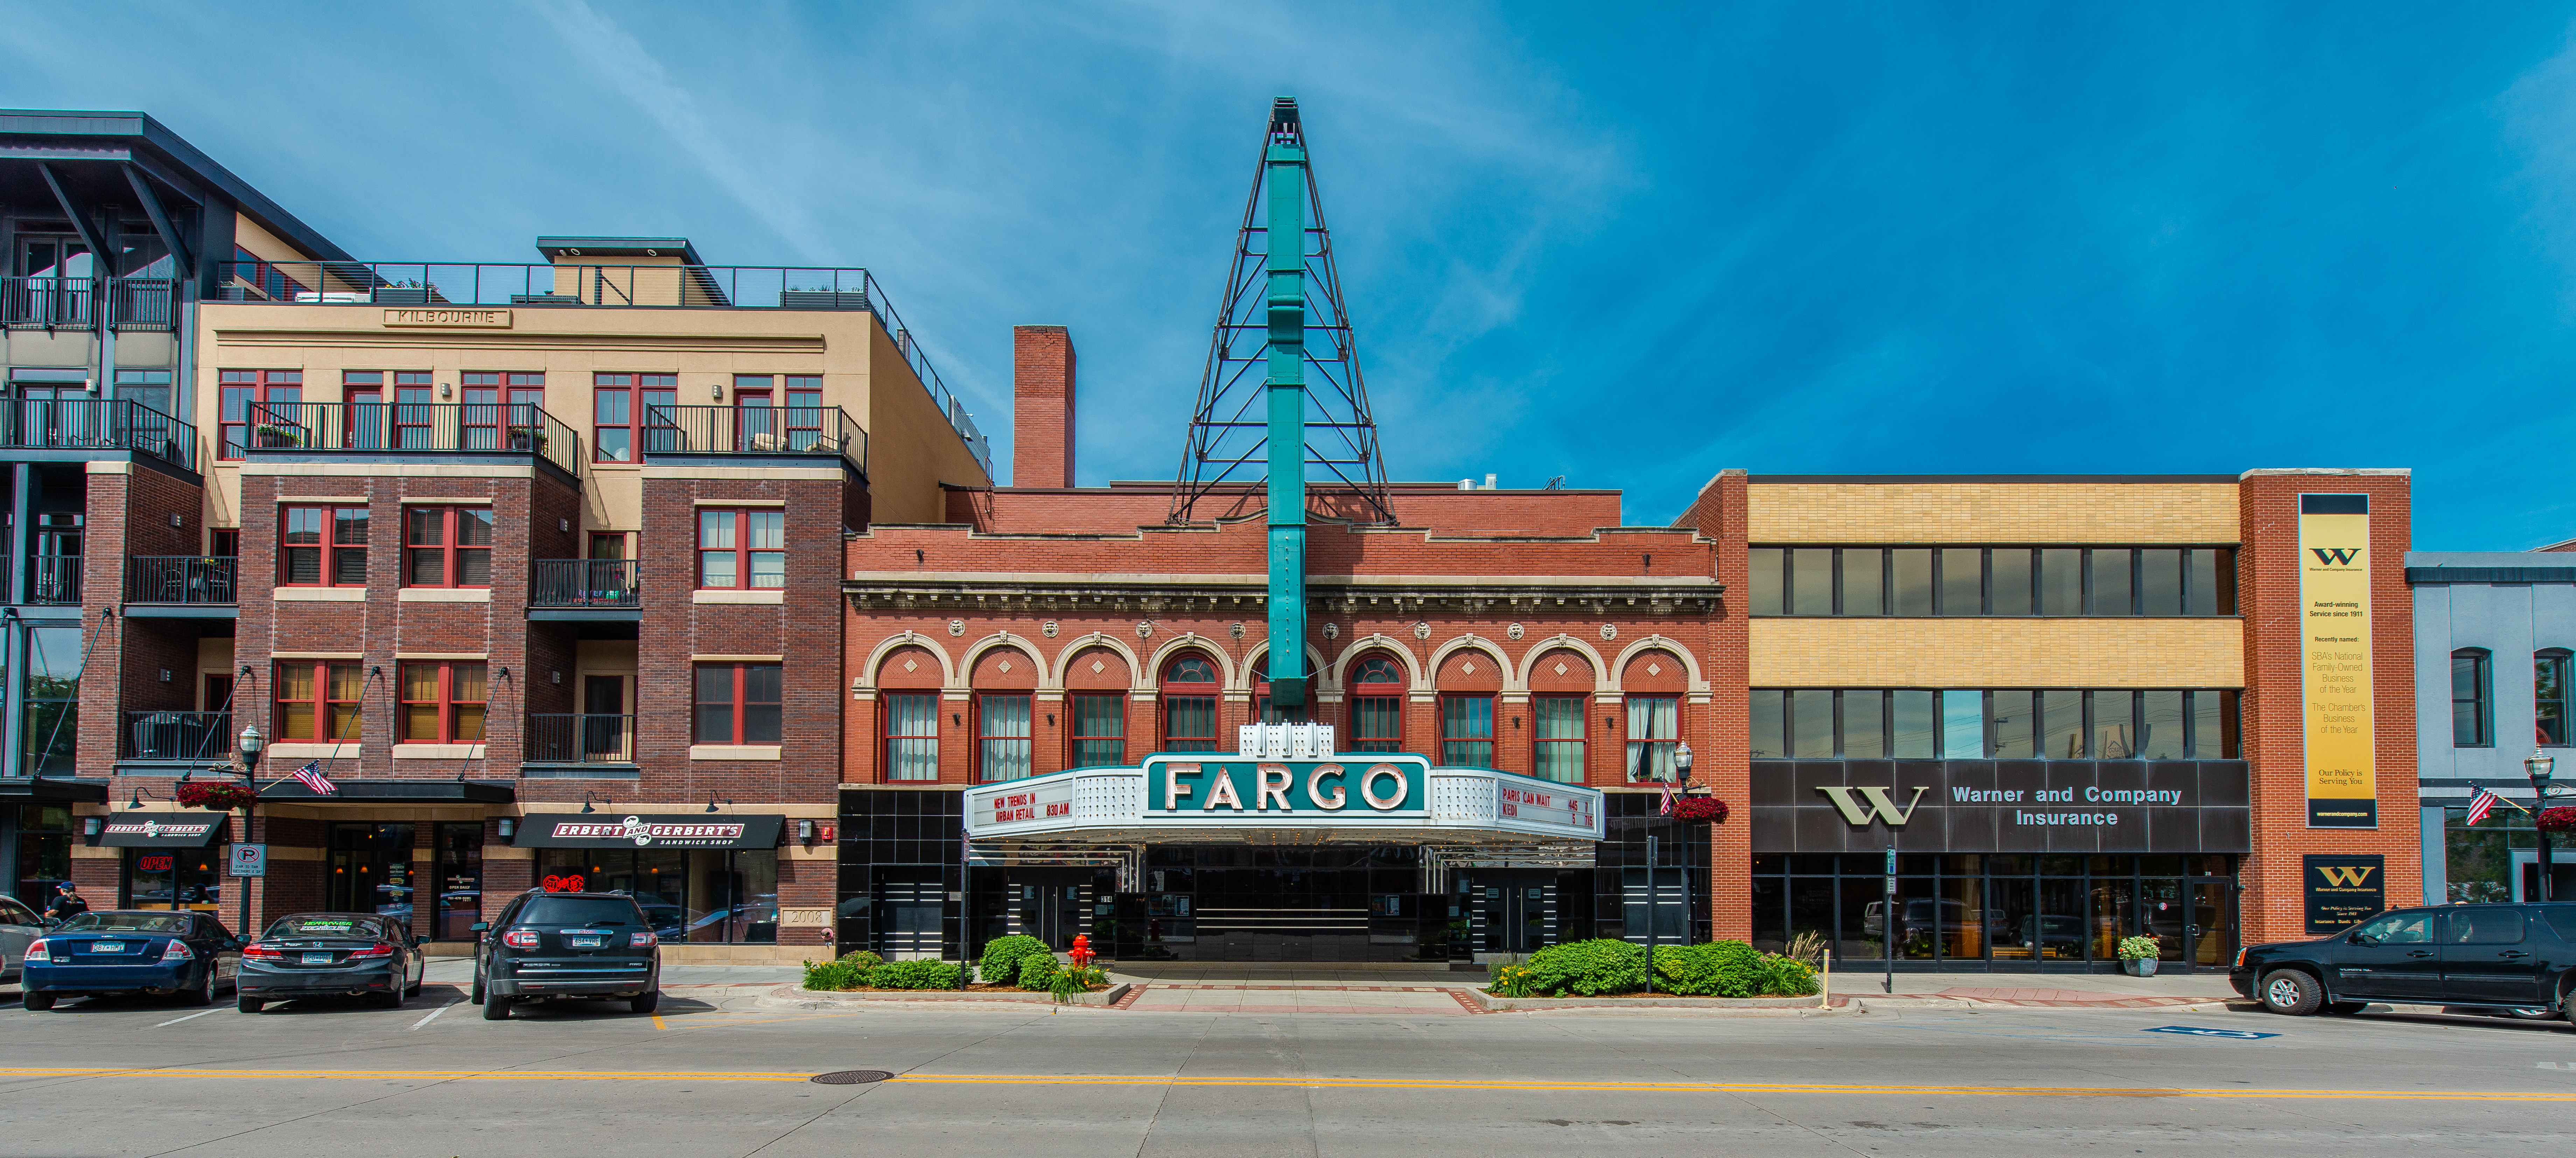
2334,660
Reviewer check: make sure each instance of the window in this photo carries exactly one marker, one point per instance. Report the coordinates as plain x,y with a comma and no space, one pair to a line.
912,736
632,414
804,411
2549,698
51,688
2012,724
1910,585
2061,719
321,546
224,543
1099,731
1963,725
447,546
742,549
362,405
1377,688
2472,701
1261,707
271,282
1770,724
1002,737
442,703
2006,723
2115,726
1864,725
1811,724
319,701
738,703
1864,581
1467,731
1654,733
415,412
1558,738
2160,728
2110,572
1189,705
257,407
1811,581
1971,581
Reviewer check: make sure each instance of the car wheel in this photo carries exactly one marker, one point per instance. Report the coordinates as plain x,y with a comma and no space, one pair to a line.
36,1001
247,1003
651,1000
496,1008
2345,1008
389,999
2290,991
476,995
204,993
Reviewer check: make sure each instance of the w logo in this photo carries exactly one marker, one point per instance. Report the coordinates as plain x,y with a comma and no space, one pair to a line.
2336,556
1874,803
2346,876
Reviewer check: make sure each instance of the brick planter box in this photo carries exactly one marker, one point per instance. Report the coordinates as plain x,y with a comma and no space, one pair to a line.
816,998
1500,1004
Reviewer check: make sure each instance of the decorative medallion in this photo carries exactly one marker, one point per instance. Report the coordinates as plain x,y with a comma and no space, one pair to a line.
1467,668
1005,666
1561,669
956,627
1332,631
1047,628
1513,631
1652,668
1609,631
1098,666
911,665
1236,630
1421,631
1144,629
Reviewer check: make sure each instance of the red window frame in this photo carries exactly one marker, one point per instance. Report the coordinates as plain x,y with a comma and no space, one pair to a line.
1379,690
438,712
433,537
747,721
1109,707
985,738
1580,742
1490,740
894,718
1195,690
332,700
478,418
241,398
620,406
339,545
736,525
415,412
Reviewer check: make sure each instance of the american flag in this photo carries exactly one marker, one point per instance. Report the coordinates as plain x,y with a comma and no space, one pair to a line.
1668,798
311,775
2480,805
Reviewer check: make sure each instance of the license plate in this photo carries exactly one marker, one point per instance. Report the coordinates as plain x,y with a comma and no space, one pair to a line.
317,958
107,946
588,942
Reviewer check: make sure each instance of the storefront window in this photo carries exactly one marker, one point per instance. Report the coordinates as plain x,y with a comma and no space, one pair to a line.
460,881
2010,911
44,852
174,878
371,870
693,896
52,687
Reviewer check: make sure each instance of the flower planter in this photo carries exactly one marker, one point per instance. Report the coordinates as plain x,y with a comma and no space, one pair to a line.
2140,968
273,436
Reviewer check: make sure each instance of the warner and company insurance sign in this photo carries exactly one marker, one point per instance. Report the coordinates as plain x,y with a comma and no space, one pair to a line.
1987,806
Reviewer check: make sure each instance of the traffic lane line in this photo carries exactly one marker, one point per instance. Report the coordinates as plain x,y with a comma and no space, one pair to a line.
190,1017
433,1014
1401,1084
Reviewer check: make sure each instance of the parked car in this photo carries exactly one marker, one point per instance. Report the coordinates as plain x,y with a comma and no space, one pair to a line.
131,951
330,955
19,928
2053,936
549,945
2511,959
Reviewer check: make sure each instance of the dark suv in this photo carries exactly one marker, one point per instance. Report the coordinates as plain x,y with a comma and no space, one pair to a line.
2504,959
567,945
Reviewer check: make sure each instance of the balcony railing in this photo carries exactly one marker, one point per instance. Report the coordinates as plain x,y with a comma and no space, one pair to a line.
206,579
754,430
580,739
132,303
54,579
435,284
203,736
370,428
584,583
96,424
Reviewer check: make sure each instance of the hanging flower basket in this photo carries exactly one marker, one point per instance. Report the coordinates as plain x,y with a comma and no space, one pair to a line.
2559,819
1699,810
218,797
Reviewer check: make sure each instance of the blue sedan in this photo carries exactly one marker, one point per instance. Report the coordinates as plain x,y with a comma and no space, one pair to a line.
153,951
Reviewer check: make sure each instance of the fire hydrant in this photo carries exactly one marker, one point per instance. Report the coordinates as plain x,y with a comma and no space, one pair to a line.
1081,951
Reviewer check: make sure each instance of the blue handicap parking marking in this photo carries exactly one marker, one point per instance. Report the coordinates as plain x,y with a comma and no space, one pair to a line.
2196,1031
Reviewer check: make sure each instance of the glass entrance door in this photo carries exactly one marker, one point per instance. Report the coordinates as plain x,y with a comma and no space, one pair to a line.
371,870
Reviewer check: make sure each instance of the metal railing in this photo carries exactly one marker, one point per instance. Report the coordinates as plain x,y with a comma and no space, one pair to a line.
54,579
668,286
584,583
176,736
401,427
206,579
133,303
754,430
96,424
580,739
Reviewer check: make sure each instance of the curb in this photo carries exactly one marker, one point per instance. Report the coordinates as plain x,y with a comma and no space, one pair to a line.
1493,1004
799,997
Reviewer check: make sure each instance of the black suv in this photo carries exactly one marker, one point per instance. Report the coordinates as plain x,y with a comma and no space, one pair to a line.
2505,959
567,945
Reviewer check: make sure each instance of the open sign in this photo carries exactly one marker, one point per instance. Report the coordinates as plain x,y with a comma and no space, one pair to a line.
154,864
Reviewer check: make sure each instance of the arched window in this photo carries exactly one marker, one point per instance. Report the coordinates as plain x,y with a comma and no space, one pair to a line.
1376,690
2472,699
1189,704
1261,697
2549,698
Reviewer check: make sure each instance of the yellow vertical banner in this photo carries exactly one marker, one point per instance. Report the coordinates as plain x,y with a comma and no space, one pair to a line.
2334,660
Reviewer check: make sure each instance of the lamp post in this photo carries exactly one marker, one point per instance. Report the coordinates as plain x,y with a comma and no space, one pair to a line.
251,741
2539,765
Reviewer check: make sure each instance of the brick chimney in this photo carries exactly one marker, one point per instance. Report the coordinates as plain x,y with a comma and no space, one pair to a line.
1042,404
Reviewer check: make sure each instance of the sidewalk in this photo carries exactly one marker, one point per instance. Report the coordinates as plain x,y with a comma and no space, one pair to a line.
2043,990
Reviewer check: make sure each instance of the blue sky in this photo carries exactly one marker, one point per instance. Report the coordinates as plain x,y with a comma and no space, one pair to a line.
1629,246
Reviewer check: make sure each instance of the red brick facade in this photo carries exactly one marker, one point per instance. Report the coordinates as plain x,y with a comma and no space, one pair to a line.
1042,389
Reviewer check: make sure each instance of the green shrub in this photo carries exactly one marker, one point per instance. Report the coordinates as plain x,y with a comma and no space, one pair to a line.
1512,981
1072,981
1001,964
1037,972
862,958
1787,977
1588,968
1716,969
917,975
835,975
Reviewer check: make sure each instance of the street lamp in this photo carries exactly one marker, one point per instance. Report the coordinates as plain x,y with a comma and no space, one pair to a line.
2538,765
1682,763
250,741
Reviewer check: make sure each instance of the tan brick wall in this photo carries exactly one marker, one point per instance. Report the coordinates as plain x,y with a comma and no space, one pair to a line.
1862,514
2002,653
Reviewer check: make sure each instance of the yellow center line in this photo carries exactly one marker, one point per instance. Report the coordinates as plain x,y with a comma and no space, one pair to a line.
1460,1085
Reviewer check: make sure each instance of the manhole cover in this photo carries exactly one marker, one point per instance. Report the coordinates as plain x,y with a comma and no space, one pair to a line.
850,1077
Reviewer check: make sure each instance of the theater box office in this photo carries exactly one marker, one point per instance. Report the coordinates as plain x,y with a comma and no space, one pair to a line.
2006,865
704,879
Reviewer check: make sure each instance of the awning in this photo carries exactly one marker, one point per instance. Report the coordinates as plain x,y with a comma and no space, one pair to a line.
385,791
47,789
163,830
608,830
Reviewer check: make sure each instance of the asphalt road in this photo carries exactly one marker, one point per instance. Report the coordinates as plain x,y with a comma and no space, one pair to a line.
718,1073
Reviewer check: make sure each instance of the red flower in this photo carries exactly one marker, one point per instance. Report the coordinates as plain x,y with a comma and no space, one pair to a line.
2559,819
1699,810
218,796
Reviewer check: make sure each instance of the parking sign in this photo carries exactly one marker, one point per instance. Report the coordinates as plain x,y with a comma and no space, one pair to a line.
250,860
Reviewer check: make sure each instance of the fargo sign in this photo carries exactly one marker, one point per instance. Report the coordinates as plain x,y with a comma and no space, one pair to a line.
1386,784
1397,796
